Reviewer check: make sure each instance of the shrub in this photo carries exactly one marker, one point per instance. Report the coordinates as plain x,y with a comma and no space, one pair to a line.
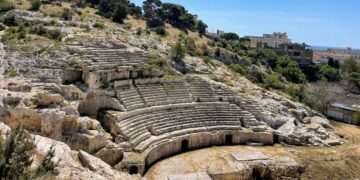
207,60
201,27
6,5
120,13
35,5
40,30
217,52
21,32
154,22
230,36
160,30
330,73
99,25
2,27
67,14
237,68
16,153
139,31
55,34
47,166
177,51
155,59
274,81
10,20
11,72
106,7
290,70
295,92
190,45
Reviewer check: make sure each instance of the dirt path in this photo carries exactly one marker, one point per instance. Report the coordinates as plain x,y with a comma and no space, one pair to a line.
340,162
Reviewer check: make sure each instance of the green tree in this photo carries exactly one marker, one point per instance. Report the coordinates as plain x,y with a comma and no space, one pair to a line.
333,63
353,82
230,36
350,65
16,152
201,27
120,13
35,5
106,7
152,13
290,70
330,73
177,52
312,72
134,10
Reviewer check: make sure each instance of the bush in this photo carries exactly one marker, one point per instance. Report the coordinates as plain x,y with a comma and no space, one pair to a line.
40,30
217,52
106,7
290,70
2,27
55,34
274,81
201,27
160,30
230,36
10,20
237,68
67,14
99,25
155,59
295,92
177,52
154,22
120,13
331,74
207,60
6,5
139,31
190,45
16,153
35,5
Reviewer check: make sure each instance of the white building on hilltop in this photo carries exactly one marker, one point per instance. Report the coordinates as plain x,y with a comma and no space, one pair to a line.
269,40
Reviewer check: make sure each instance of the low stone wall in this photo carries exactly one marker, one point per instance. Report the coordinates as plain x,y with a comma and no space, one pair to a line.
193,141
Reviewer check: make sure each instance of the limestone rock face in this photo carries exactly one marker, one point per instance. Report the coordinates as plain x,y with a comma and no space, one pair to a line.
49,99
111,154
74,164
92,105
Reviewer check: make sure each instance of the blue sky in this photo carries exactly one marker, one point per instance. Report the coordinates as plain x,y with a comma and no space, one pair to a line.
333,23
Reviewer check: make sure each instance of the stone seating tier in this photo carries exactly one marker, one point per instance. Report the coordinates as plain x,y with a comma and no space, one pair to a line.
139,125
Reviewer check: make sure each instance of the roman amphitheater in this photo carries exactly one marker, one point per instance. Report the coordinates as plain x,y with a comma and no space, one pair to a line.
110,114
144,115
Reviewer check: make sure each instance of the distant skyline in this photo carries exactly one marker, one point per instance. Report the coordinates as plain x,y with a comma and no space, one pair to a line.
331,23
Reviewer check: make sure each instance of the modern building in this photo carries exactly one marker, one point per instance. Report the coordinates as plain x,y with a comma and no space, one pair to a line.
345,109
298,52
269,40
